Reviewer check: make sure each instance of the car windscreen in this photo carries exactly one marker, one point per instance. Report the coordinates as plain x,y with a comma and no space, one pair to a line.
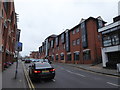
42,65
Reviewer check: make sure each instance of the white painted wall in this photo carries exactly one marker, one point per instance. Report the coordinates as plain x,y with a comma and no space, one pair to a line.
104,57
106,50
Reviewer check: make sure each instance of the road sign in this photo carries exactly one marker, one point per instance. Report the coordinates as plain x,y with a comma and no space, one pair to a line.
19,46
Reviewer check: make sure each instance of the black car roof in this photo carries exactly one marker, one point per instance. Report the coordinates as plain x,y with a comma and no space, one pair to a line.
42,65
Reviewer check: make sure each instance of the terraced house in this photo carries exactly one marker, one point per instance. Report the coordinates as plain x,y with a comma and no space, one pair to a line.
8,29
80,44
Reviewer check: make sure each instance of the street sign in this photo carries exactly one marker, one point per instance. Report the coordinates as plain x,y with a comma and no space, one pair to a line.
19,46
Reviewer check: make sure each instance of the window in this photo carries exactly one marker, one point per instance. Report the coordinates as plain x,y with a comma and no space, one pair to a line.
73,32
100,24
77,30
52,57
78,41
56,41
86,55
58,48
74,42
6,6
107,40
69,58
2,14
115,39
56,57
84,35
63,38
76,56
62,56
52,44
67,44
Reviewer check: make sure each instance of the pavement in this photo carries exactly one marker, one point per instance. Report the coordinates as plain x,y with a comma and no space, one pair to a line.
8,77
96,68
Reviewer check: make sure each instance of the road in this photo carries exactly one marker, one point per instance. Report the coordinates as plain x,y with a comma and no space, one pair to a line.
72,77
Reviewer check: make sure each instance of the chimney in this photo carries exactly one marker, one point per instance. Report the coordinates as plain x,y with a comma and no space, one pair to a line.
115,19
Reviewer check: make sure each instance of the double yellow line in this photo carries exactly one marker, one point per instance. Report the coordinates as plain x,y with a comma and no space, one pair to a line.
29,82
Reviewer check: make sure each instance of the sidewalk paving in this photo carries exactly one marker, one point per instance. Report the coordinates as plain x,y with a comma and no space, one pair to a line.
8,77
96,68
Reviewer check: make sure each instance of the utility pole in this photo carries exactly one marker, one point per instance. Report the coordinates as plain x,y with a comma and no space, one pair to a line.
17,64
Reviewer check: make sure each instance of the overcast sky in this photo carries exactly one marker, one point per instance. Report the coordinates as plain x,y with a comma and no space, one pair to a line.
40,18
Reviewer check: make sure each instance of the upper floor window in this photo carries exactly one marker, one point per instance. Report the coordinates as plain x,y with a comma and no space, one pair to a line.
52,44
115,39
78,41
100,23
77,30
107,40
74,42
56,41
63,38
73,32
2,14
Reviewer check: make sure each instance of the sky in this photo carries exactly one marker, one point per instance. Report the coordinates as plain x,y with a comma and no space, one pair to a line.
39,19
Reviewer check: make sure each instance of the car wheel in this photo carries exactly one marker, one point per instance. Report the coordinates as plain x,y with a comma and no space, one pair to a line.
52,78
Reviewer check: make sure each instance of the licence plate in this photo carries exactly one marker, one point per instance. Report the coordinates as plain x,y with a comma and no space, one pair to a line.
45,71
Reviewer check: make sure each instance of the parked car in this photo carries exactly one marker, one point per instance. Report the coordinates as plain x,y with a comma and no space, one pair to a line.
6,65
41,70
45,60
27,60
10,63
35,60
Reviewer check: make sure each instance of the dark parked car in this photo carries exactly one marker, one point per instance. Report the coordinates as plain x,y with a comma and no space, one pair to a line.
6,65
41,70
45,60
27,60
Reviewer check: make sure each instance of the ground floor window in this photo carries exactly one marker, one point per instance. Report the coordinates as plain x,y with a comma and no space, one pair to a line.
69,57
86,55
62,56
56,57
52,58
76,56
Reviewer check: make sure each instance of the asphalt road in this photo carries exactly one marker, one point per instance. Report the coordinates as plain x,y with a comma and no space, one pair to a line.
72,77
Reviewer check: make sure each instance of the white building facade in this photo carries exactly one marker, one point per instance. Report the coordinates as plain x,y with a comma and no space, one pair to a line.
111,43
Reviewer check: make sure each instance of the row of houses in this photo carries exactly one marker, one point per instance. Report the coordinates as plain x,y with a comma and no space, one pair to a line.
89,42
80,44
9,33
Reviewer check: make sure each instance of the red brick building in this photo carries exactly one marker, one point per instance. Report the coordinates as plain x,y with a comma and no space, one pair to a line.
34,54
8,27
81,44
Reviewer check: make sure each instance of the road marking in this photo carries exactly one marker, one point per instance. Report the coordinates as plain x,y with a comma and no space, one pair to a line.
72,72
30,84
76,73
113,84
